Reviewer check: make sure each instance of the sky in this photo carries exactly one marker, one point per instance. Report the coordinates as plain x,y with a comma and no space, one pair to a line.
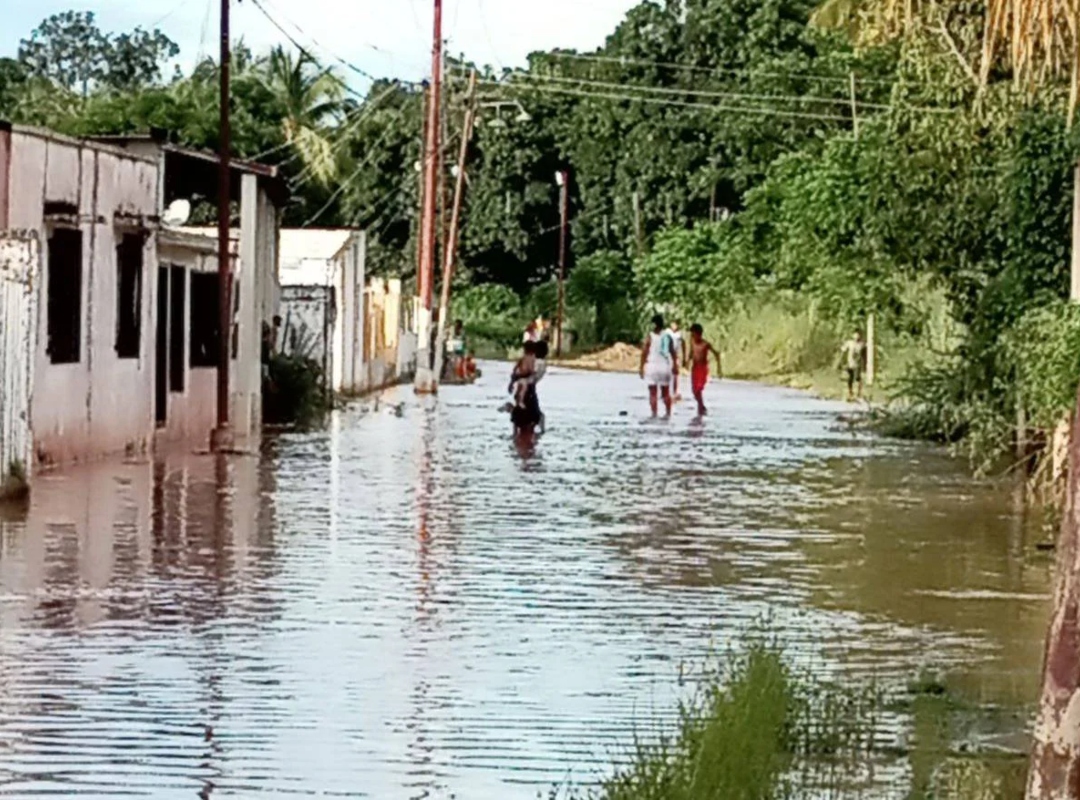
388,38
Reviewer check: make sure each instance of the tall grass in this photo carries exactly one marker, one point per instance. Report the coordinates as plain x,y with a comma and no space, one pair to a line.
753,731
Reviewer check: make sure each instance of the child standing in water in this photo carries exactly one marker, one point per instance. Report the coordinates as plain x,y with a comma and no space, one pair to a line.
699,365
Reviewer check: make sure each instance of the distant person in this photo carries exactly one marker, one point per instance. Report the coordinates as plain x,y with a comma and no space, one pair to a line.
853,359
456,349
659,364
699,366
680,351
524,374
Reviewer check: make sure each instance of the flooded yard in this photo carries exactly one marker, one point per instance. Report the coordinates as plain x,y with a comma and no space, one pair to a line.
405,605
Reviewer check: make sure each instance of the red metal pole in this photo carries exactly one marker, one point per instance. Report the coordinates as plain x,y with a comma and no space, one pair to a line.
426,279
222,437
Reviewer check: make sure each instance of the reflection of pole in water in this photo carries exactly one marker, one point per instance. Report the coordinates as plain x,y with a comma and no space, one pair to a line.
423,502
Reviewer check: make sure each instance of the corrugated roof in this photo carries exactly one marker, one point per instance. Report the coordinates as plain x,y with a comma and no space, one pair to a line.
306,255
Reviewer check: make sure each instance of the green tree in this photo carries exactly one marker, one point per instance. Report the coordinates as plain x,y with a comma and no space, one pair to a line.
310,97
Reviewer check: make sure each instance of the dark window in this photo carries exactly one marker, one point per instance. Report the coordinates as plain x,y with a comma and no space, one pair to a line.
177,327
65,296
129,281
205,320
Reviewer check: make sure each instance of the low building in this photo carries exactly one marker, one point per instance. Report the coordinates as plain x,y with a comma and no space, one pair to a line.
78,220
184,175
107,318
352,326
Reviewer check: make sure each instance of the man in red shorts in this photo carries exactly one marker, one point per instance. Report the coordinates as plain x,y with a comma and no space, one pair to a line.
699,365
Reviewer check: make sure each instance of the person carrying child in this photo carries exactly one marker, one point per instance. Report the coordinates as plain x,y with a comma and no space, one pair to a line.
700,350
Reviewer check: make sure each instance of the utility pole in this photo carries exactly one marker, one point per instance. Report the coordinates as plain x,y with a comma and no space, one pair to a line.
563,178
222,437
453,235
639,234
871,320
425,381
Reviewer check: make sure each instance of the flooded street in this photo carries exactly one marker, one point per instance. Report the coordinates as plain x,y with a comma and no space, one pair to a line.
405,606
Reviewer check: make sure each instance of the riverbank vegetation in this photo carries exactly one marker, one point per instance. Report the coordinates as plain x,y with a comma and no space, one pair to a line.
780,170
755,728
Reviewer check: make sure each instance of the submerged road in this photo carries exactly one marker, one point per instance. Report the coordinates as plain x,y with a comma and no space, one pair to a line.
405,606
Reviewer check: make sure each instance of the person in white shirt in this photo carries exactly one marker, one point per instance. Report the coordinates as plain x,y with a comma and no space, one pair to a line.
659,364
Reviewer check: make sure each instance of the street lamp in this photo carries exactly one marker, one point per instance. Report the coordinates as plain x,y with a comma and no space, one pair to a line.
562,179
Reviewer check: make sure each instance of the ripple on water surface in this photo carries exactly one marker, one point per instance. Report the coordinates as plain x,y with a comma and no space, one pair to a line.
405,605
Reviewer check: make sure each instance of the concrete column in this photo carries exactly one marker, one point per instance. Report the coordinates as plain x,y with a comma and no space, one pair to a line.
247,368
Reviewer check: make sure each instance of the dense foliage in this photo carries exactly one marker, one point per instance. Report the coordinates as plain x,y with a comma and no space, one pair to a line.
722,152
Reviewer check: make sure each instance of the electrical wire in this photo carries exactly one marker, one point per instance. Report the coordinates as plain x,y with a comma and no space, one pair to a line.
304,51
623,61
361,113
666,90
677,103
359,168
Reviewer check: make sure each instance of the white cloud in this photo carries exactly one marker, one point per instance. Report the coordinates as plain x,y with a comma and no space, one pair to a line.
384,37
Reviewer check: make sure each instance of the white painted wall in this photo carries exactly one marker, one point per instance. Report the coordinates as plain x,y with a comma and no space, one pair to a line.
18,338
102,404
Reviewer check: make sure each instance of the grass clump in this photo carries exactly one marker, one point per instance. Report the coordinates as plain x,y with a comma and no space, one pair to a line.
754,730
294,391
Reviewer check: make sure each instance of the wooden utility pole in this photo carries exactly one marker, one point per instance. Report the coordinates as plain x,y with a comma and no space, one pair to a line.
222,437
564,236
454,233
854,107
1074,290
639,234
871,319
425,383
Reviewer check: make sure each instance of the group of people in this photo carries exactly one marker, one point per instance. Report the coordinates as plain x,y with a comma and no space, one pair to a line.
662,353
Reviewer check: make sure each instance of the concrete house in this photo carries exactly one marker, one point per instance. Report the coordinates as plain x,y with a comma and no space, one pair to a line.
354,326
78,241
101,337
187,337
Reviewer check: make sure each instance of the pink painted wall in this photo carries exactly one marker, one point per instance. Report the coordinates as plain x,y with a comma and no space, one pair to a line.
102,405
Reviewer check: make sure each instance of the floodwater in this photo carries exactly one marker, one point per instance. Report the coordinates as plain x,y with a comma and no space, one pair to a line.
404,605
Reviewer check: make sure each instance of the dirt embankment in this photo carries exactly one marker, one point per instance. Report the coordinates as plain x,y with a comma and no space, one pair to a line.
617,358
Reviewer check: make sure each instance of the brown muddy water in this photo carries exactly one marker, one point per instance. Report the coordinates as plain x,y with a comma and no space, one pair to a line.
404,605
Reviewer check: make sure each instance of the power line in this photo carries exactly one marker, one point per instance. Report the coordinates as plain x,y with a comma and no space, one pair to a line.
666,90
676,103
359,168
623,61
360,114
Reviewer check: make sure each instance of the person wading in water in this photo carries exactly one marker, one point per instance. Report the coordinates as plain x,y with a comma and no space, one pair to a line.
659,365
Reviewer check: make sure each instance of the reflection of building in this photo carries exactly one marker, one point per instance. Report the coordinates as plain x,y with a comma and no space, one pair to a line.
96,534
111,326
333,314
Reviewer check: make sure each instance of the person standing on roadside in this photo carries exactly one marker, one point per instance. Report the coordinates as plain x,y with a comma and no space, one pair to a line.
659,364
853,359
680,358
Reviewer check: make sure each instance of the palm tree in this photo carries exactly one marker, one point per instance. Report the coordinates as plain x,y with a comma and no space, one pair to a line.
1037,41
311,100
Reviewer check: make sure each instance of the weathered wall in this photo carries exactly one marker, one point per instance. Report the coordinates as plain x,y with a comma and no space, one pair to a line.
18,338
308,325
102,404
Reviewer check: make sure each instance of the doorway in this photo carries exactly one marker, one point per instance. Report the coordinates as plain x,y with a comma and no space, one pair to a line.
161,381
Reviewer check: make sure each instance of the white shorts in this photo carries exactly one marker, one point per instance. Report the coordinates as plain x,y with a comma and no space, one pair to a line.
658,375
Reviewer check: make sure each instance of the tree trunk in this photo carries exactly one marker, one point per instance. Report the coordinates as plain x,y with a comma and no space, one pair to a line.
1055,757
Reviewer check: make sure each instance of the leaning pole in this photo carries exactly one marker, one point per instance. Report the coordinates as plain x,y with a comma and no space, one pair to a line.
1055,754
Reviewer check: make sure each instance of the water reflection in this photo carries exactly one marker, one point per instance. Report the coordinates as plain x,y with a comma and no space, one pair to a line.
403,605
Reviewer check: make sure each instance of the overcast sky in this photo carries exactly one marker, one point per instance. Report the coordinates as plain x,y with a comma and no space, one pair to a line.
384,37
